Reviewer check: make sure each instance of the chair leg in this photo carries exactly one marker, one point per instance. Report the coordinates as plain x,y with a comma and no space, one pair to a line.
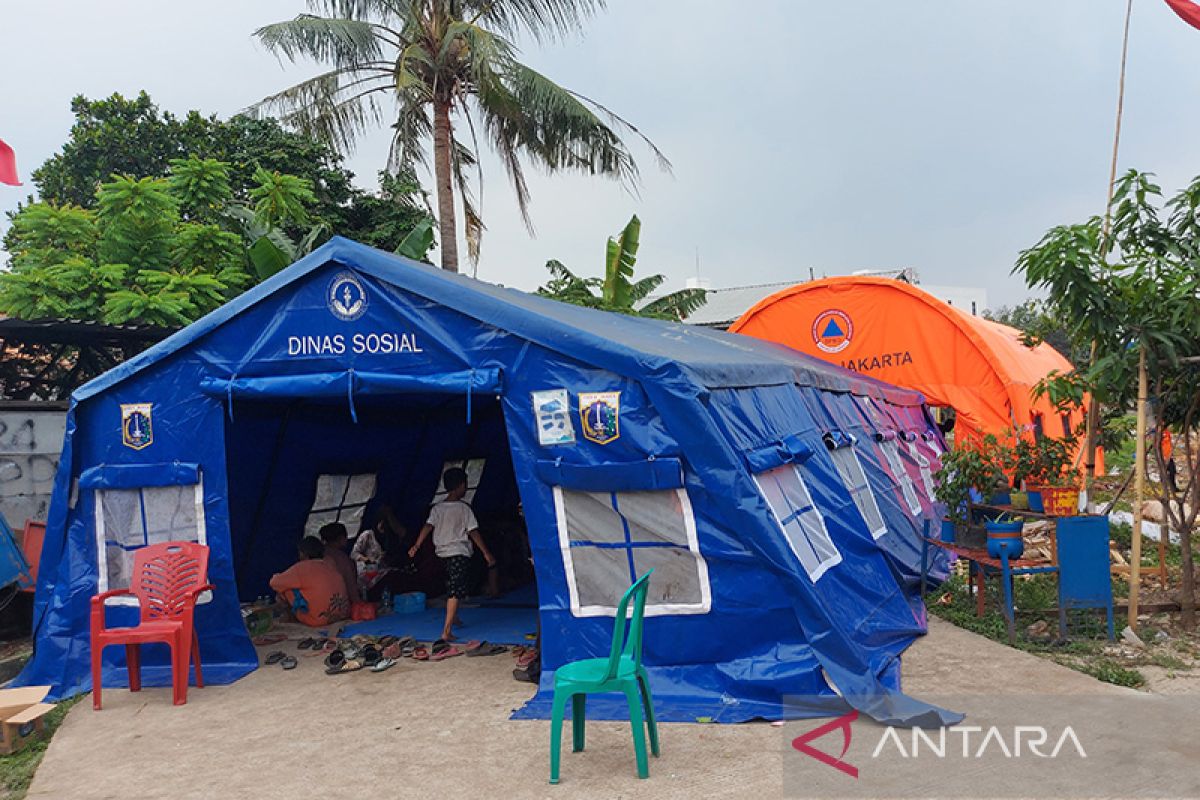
196,658
638,726
556,720
97,652
133,665
648,702
578,717
179,669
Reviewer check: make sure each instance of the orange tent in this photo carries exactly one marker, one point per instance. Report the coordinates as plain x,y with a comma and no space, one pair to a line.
898,333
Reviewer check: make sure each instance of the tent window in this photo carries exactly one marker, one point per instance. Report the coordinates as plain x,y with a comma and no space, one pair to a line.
474,469
799,519
891,452
129,519
850,468
340,498
923,465
608,539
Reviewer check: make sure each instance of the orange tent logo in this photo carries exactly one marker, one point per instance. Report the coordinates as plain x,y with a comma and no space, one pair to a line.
832,330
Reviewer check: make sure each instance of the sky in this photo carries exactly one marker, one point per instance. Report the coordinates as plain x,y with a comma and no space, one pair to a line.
939,135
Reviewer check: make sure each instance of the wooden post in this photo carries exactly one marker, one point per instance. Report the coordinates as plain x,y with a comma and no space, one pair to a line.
1139,492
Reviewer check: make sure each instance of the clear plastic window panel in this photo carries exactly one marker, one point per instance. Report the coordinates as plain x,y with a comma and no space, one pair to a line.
799,519
892,453
474,469
340,498
134,518
923,465
849,466
611,538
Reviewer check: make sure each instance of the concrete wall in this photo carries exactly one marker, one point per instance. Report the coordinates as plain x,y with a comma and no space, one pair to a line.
31,437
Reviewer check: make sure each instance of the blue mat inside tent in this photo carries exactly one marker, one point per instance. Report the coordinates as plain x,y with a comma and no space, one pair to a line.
502,620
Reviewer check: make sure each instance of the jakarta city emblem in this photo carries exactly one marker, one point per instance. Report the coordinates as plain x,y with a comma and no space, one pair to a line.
136,428
600,413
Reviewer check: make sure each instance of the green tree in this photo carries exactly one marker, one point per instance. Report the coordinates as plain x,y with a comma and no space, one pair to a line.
1135,292
132,136
449,66
201,186
617,290
137,220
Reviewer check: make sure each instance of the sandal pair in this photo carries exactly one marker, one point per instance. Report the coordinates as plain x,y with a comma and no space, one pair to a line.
281,658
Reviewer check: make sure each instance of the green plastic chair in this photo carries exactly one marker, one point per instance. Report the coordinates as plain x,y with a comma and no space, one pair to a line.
621,672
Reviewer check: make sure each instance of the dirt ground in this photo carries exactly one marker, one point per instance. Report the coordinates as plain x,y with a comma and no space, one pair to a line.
421,729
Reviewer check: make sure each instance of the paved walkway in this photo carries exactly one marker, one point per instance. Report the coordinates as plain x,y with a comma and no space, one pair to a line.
437,730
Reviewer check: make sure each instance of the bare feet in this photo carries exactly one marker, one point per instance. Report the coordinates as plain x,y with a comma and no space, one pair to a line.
448,636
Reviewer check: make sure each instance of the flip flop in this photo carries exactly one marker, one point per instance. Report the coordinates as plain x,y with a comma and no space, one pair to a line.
421,653
335,659
384,664
350,665
526,658
269,638
392,651
306,643
487,649
371,655
408,650
288,662
275,657
449,652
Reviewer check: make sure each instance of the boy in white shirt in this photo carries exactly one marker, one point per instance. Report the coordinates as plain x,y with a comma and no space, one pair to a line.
454,528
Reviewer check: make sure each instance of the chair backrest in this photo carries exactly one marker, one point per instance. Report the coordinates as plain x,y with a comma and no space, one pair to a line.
630,645
165,577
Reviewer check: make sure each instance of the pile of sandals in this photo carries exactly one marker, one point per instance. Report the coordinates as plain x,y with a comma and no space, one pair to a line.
379,654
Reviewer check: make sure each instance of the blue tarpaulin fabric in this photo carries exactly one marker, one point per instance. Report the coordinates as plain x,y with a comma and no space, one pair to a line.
353,360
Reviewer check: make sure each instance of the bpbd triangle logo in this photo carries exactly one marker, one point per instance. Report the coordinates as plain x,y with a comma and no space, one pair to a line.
832,330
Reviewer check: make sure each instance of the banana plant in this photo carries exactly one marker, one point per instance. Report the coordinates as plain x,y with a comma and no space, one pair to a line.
618,291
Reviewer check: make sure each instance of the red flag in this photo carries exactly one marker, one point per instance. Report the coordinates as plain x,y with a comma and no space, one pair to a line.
1187,10
8,165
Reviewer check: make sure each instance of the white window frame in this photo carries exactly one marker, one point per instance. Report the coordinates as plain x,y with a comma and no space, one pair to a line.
924,466
353,512
102,548
891,451
652,609
860,493
808,520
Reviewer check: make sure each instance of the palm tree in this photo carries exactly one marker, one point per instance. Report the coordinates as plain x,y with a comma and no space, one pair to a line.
617,291
449,66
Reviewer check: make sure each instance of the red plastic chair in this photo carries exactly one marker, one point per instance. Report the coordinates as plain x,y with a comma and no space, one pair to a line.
167,578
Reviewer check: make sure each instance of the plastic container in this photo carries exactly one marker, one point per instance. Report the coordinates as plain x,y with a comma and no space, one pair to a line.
409,603
1035,501
1020,500
947,531
1000,499
1004,536
1060,501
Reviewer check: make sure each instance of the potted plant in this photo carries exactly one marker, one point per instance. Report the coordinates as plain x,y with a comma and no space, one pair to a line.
1051,477
967,472
1004,535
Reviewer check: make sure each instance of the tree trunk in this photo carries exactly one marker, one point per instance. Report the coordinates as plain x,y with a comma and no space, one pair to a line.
444,177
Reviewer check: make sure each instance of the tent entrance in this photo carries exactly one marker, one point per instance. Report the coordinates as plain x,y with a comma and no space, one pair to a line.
284,455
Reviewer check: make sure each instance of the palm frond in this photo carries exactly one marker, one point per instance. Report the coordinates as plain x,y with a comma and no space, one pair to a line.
335,107
540,19
343,42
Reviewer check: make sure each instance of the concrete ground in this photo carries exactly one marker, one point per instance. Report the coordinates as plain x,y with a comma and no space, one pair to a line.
442,729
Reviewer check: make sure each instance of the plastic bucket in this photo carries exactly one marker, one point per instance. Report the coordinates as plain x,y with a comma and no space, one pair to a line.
947,531
1004,536
1020,500
1000,499
1060,501
1035,501
409,603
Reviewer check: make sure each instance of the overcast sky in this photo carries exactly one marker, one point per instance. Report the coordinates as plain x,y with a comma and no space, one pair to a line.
942,135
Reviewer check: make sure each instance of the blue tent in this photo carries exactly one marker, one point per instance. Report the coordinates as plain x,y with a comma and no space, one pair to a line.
779,499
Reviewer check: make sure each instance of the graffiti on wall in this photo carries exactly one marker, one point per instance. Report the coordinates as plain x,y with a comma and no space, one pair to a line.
30,445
